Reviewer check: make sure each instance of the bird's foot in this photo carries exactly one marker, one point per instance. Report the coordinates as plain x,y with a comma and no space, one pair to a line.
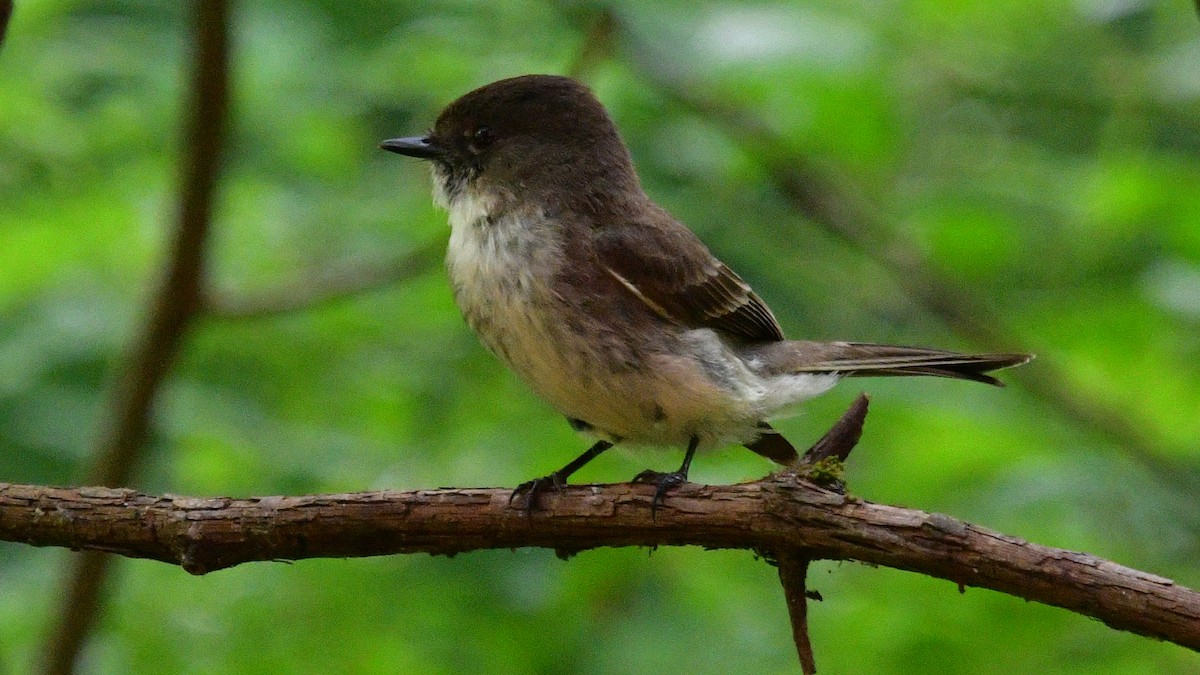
533,488
662,481
557,480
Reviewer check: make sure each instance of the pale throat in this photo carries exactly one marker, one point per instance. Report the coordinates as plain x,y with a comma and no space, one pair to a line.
500,252
463,201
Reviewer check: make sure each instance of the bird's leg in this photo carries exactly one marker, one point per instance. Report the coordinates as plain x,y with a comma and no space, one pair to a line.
556,480
666,481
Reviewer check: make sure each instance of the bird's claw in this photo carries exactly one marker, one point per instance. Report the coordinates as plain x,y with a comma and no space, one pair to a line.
534,488
662,481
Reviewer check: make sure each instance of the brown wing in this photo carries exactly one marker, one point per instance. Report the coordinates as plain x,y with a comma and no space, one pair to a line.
667,267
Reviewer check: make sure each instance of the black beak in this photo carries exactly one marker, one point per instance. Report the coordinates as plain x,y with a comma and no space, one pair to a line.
421,147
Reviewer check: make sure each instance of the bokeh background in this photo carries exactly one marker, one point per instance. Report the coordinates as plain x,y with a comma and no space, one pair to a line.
968,174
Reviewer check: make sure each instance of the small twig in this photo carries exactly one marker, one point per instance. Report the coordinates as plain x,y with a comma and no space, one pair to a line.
793,573
836,444
842,437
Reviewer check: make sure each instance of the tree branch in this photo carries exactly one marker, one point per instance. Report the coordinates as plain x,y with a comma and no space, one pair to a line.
780,513
173,309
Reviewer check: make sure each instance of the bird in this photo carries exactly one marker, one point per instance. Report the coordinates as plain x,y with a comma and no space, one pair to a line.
611,310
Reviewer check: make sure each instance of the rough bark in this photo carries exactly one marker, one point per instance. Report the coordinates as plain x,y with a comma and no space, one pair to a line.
778,514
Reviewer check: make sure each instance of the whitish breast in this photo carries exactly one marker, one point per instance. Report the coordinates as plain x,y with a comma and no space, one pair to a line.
500,269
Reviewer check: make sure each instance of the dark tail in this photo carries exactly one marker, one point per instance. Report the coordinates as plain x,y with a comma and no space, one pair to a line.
860,359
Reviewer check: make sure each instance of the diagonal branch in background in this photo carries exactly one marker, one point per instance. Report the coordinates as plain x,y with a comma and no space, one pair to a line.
599,42
325,287
818,196
780,513
172,311
817,193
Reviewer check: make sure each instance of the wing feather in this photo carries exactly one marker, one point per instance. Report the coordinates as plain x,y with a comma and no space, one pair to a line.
669,269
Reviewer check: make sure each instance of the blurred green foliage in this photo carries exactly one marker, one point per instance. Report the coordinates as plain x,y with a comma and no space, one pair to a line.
1043,155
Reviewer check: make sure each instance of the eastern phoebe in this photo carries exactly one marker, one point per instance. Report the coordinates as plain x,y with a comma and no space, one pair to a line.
610,309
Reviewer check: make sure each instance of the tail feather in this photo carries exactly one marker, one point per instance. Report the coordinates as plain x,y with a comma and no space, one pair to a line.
772,445
860,359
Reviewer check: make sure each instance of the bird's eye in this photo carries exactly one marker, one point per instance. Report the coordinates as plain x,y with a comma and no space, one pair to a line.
481,138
